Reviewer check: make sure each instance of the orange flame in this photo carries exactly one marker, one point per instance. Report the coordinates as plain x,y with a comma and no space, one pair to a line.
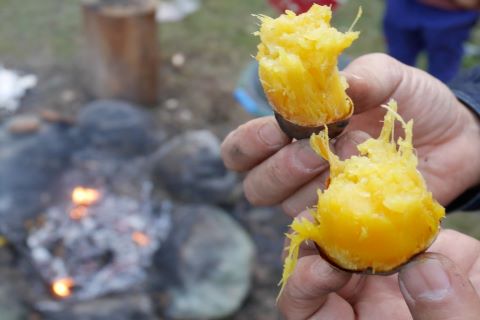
85,196
62,288
140,238
78,213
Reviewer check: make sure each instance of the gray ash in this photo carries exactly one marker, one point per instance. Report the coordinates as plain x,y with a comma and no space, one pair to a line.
105,249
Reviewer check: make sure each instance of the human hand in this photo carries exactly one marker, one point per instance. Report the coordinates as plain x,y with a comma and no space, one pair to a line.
446,138
468,4
442,4
453,4
431,286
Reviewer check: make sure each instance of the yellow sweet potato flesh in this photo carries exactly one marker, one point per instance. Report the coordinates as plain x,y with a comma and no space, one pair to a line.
376,212
297,60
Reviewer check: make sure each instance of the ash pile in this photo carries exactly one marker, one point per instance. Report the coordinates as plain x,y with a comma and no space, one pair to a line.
106,217
101,243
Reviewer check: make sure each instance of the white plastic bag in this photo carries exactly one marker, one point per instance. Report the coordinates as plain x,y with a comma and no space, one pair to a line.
12,88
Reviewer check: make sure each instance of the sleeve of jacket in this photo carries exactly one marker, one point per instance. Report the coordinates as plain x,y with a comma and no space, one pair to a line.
466,87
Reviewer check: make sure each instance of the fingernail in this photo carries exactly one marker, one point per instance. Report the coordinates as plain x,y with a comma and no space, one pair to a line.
425,279
270,135
354,76
307,159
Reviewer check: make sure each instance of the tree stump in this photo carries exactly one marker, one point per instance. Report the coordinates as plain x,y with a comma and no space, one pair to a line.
121,49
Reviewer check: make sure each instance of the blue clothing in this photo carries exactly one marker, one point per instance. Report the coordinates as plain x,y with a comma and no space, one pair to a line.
411,27
412,14
444,47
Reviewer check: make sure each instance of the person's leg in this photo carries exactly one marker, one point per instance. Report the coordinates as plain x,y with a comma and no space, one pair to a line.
403,44
445,50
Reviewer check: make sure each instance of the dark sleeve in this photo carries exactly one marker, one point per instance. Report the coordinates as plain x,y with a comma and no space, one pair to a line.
467,89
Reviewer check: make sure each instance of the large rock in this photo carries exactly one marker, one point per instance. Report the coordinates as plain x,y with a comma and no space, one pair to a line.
205,267
116,127
189,166
129,306
11,304
267,227
29,166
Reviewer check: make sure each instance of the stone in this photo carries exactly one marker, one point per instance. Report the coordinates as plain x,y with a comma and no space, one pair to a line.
171,104
190,167
205,266
115,127
178,60
12,282
11,308
24,124
129,306
54,116
267,227
40,158
68,96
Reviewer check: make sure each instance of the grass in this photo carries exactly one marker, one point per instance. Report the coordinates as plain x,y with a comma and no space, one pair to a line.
369,25
49,31
38,33
34,32
468,223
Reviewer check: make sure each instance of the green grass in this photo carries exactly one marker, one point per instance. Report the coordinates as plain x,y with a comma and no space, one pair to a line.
38,32
221,27
370,25
468,223
49,31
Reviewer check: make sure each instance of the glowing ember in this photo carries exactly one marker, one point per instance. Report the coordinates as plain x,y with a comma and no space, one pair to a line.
85,196
78,213
140,238
62,288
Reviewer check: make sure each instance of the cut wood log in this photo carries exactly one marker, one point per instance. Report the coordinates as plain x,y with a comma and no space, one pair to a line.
121,49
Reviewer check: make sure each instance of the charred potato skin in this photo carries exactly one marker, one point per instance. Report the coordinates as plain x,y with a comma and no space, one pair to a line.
295,131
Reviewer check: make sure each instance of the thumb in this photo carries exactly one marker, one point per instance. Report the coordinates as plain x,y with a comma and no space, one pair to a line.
373,80
346,145
434,288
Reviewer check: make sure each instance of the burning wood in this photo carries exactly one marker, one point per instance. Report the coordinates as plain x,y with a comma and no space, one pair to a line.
104,248
85,196
140,238
62,288
78,213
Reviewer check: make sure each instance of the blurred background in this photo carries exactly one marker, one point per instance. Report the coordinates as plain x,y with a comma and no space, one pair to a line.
114,202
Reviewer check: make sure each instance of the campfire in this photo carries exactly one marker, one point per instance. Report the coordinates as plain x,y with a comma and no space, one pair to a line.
97,242
62,288
85,196
82,198
104,216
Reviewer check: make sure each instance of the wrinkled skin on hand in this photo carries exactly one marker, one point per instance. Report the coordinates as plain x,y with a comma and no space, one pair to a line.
447,142
453,4
317,291
446,138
